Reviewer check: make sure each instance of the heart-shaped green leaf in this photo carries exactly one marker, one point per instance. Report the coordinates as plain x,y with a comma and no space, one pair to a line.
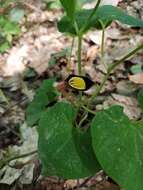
105,14
70,7
118,145
63,150
44,96
110,13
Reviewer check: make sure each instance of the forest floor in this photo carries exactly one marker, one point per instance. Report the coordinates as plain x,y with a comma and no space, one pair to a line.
28,62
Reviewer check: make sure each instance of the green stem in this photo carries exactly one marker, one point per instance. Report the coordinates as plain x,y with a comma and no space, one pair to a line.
102,42
83,119
84,28
88,110
70,56
5,162
79,54
79,61
99,88
111,68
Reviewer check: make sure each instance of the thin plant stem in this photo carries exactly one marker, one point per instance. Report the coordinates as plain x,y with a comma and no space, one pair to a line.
115,64
79,61
32,7
112,67
90,17
88,110
5,162
80,37
79,54
99,88
83,119
102,42
70,56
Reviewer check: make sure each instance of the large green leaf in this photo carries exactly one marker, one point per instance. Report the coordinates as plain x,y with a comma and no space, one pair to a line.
70,7
105,14
110,13
44,96
118,145
63,150
140,98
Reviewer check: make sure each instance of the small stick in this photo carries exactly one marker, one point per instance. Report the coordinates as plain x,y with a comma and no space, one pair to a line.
31,6
78,185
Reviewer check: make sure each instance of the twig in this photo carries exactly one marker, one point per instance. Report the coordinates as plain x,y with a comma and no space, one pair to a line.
5,162
84,183
14,104
31,6
12,130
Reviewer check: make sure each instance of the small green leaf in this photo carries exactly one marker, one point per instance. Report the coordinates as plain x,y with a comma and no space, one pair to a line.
70,8
4,47
8,27
16,14
63,150
136,68
105,13
140,98
44,96
118,145
11,28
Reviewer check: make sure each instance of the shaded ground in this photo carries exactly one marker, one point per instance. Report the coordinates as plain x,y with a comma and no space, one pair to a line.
33,50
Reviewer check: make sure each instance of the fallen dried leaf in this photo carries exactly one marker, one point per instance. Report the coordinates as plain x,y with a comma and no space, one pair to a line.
137,78
39,56
70,184
129,104
15,62
96,37
110,2
91,53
